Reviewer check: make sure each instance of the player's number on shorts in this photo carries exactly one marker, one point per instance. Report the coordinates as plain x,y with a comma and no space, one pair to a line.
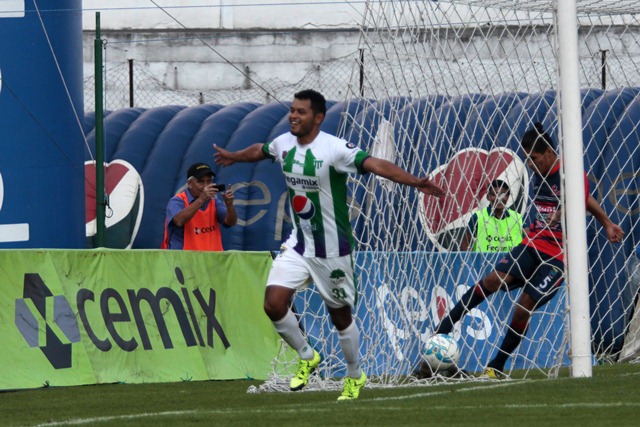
339,293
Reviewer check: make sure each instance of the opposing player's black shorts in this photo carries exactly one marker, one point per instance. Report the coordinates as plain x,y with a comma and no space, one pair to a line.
538,274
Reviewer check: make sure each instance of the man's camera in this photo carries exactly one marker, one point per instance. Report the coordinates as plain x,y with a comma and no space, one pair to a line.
219,187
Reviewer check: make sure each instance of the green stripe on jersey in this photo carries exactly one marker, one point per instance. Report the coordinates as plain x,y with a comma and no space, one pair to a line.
265,150
317,220
287,166
287,162
341,210
360,156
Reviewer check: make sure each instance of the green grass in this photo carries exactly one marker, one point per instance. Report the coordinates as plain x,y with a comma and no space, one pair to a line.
610,397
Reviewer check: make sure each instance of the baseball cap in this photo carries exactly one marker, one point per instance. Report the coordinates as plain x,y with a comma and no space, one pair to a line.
498,183
198,170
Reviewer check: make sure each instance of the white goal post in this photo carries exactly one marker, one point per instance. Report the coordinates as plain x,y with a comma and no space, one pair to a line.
575,224
448,90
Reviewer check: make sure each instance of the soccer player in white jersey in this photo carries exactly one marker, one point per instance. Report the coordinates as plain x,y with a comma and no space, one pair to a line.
315,165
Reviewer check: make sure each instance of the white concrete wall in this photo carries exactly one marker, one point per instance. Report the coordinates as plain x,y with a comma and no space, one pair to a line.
227,51
222,14
230,50
224,63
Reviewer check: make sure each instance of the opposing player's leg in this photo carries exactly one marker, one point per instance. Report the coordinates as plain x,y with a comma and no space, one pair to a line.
472,298
515,332
507,273
539,290
289,273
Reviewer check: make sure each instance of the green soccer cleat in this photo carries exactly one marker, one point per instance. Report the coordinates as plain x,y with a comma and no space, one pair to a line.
352,387
305,368
493,374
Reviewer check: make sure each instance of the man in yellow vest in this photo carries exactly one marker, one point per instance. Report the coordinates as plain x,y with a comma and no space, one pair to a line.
195,214
494,228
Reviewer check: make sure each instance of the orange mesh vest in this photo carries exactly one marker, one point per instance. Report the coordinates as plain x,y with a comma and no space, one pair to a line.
201,233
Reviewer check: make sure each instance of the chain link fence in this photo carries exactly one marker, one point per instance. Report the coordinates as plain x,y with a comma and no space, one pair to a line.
132,84
137,83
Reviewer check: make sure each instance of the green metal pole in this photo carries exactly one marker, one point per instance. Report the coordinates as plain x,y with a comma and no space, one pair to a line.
100,187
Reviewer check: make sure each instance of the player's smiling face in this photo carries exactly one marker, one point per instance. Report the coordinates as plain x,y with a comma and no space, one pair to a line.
303,122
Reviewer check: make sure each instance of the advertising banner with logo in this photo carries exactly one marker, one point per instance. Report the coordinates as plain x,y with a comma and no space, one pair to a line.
397,319
104,316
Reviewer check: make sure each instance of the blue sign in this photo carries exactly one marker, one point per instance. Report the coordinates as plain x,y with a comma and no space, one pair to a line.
41,110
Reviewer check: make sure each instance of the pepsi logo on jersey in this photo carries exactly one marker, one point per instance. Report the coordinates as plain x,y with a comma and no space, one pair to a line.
303,207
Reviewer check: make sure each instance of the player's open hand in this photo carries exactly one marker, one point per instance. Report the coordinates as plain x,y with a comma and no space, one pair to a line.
614,233
427,186
222,157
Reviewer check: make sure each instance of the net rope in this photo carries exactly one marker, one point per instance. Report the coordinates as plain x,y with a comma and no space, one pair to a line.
456,84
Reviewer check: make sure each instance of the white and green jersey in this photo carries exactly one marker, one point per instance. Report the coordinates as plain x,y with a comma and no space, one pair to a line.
316,175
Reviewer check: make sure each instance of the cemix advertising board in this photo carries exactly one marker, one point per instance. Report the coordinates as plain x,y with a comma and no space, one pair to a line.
87,317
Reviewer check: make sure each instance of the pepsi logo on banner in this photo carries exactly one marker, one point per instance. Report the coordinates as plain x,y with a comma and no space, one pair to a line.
465,179
303,207
123,214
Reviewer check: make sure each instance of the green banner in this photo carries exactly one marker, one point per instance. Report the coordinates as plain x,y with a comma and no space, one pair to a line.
70,317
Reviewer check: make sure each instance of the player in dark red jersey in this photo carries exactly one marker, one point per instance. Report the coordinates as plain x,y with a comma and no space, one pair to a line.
537,264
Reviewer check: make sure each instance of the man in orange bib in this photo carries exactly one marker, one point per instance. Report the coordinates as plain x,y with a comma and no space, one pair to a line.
193,216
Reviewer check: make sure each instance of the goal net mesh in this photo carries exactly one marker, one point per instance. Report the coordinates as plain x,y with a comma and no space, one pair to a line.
447,89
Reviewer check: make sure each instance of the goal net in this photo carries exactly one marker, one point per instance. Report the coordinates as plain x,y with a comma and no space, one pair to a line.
447,89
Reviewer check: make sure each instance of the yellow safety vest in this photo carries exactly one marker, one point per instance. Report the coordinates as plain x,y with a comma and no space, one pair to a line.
497,235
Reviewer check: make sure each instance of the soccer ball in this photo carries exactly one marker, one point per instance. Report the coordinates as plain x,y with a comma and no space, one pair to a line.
441,352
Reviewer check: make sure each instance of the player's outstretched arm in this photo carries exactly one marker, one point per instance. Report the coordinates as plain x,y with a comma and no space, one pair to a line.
614,232
391,171
252,153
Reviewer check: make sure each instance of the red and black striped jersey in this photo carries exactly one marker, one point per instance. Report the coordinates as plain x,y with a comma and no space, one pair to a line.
546,196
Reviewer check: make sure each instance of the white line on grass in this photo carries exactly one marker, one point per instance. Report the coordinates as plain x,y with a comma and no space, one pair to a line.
437,393
540,406
297,410
81,421
320,408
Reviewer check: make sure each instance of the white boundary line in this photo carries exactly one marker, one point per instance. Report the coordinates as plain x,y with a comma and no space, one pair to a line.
298,410
320,407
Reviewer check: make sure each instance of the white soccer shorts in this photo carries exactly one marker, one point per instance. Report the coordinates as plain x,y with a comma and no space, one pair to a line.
333,277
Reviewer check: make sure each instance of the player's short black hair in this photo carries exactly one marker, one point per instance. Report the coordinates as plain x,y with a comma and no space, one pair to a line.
537,140
498,183
318,103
